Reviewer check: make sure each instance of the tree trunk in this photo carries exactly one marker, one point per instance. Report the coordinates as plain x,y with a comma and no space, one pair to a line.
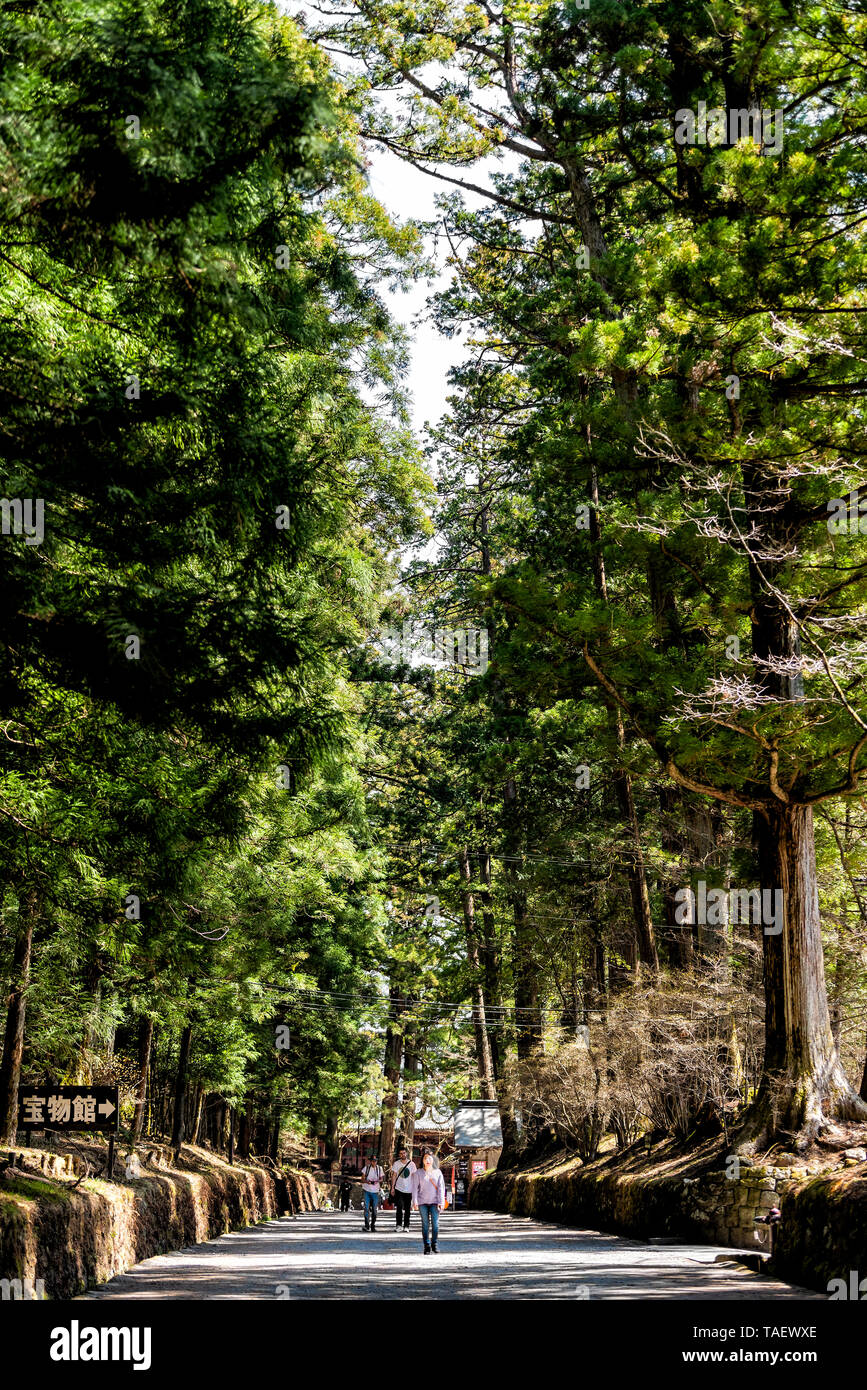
391,1068
245,1130
495,1011
145,1041
13,1041
675,837
332,1136
641,913
195,1129
181,1087
91,1040
575,1014
152,1119
528,1019
598,957
491,967
410,1090
259,1138
483,1049
803,1084
223,1126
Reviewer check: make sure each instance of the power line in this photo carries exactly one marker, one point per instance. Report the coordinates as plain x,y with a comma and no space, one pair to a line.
611,860
403,1001
325,1011
432,1012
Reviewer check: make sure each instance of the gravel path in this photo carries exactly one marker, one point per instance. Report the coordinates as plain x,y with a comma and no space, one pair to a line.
482,1255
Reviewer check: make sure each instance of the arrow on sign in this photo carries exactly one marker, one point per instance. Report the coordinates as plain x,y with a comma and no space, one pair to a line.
106,1108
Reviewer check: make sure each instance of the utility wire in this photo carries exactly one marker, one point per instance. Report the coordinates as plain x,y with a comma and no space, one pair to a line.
610,860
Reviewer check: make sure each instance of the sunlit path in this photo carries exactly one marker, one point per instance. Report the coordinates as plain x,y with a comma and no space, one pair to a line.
482,1255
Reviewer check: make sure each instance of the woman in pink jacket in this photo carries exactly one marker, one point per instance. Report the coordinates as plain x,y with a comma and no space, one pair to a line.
429,1197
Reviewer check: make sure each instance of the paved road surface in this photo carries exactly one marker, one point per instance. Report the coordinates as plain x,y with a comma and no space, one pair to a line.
482,1255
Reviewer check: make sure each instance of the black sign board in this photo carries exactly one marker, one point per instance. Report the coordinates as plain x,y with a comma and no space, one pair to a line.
68,1107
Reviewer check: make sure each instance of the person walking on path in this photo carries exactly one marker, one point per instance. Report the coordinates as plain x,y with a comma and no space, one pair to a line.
429,1195
371,1182
345,1193
401,1183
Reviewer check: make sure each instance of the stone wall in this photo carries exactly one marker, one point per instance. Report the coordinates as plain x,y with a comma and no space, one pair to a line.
75,1235
822,1233
729,1211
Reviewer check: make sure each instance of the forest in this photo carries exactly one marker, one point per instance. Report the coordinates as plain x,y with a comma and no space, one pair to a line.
349,770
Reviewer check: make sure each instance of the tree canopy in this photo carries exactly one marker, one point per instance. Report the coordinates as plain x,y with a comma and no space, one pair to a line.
593,825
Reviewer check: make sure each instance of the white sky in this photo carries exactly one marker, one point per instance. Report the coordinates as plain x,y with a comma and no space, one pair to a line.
407,193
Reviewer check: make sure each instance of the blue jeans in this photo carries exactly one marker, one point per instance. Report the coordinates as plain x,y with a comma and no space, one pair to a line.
430,1219
371,1201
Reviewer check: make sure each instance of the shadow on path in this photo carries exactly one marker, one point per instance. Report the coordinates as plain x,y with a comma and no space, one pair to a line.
325,1255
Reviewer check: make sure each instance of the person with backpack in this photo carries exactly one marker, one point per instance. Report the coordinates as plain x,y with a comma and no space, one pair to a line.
371,1184
401,1184
429,1195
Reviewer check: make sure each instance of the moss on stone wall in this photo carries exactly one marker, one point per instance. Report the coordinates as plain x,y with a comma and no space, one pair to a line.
822,1234
75,1237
